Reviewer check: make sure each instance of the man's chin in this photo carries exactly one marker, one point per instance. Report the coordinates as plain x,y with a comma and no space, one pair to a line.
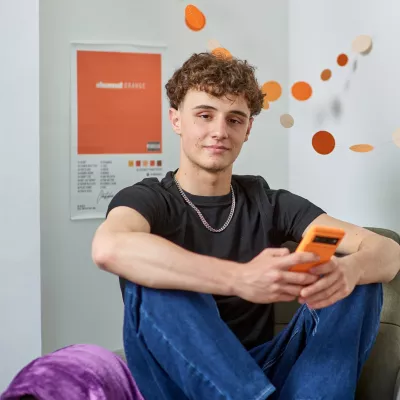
215,167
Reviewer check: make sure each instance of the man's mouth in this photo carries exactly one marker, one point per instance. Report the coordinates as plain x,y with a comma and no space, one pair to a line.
216,147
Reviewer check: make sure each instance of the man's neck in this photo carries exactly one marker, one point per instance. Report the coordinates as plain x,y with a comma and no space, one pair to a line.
204,183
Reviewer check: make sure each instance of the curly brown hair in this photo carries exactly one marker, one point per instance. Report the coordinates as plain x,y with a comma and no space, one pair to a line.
218,76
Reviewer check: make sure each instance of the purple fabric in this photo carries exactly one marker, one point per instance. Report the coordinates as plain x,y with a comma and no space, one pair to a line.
78,372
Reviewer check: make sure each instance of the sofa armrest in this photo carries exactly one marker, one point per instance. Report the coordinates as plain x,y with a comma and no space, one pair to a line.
396,394
390,313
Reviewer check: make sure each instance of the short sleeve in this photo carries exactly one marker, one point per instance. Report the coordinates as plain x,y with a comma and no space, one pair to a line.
142,198
293,213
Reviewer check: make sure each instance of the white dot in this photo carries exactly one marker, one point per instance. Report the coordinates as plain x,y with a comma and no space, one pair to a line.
213,44
396,137
362,44
287,121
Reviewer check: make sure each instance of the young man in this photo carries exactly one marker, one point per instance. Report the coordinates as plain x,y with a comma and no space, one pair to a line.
199,260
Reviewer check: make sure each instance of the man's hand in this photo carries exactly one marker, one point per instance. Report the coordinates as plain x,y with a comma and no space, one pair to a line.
267,279
337,282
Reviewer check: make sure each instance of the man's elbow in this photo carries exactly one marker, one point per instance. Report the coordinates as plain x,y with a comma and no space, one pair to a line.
102,251
393,248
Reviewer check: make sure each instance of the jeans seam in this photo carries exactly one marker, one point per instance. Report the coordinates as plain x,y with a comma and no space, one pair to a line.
274,360
160,389
202,374
271,362
316,318
265,392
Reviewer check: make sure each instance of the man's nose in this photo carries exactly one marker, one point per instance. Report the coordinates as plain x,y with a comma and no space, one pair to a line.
220,129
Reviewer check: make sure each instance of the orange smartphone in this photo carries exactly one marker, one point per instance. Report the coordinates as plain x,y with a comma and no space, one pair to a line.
321,240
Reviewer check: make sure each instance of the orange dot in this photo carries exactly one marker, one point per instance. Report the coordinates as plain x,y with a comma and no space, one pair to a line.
323,142
265,103
222,53
273,90
326,74
361,148
194,18
342,60
301,91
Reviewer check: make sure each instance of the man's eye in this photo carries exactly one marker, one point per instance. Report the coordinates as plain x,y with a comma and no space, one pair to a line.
235,121
204,116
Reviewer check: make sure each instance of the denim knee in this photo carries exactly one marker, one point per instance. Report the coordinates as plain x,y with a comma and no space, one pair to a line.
371,294
157,300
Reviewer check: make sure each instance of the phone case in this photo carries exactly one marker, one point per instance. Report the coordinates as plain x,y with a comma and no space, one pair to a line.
321,240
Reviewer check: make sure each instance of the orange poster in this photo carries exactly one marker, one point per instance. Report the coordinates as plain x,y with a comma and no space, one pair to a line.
119,103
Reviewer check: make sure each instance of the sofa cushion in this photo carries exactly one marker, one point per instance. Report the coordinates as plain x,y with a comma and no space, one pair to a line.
386,232
379,375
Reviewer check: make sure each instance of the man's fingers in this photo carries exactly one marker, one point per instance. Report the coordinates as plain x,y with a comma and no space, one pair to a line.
293,290
324,269
327,302
323,295
319,286
296,258
298,278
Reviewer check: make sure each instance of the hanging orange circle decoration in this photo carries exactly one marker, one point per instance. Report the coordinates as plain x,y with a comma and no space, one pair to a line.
323,142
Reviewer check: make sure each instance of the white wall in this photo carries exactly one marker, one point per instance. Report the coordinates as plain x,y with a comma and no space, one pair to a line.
361,188
80,303
20,330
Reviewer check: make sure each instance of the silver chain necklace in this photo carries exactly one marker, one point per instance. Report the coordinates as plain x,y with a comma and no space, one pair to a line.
203,220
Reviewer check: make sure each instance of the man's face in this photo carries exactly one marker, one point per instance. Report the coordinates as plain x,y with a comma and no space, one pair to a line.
212,129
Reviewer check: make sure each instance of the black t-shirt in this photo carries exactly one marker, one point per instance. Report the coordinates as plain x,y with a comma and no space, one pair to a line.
263,218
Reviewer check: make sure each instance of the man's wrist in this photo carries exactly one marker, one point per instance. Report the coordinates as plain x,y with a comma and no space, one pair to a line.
354,264
231,280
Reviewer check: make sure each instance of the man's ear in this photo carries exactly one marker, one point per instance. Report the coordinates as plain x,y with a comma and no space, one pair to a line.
175,118
249,129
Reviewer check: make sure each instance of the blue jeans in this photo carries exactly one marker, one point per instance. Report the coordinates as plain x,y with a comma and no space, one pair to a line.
177,347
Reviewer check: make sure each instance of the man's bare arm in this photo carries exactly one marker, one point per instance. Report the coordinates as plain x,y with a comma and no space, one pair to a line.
124,246
376,257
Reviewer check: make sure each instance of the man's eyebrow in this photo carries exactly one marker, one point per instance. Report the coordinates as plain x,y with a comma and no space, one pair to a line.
207,107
